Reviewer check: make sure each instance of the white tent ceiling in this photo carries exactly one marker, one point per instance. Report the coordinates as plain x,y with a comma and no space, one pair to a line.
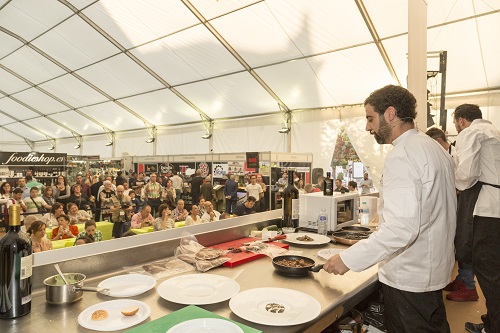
82,67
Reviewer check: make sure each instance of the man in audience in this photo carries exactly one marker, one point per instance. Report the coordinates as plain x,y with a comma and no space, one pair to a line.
177,183
245,208
254,190
142,219
230,193
152,193
179,213
35,204
30,182
120,212
94,191
21,183
196,183
262,200
366,184
339,187
210,214
85,187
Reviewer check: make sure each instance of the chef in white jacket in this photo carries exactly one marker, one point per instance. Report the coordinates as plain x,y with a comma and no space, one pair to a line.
414,245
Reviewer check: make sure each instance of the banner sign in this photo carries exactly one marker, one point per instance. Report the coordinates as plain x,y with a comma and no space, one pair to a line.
252,160
32,158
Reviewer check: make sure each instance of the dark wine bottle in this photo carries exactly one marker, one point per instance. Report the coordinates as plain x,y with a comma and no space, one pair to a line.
15,269
328,185
290,204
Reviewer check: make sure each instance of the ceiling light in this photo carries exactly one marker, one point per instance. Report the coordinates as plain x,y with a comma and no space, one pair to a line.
284,130
51,147
206,136
150,140
110,143
77,146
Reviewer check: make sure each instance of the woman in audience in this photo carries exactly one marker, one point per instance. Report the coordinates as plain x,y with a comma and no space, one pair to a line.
39,242
50,219
164,219
82,240
79,198
64,230
47,195
91,230
105,197
5,197
193,217
201,207
75,215
170,195
61,190
299,185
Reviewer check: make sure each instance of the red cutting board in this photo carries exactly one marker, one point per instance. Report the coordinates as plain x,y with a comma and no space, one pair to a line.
243,257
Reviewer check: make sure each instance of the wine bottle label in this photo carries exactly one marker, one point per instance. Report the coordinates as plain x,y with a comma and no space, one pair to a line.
26,267
295,208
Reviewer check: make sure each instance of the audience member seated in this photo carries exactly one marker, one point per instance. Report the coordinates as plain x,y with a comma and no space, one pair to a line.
64,230
81,200
246,207
224,216
51,218
201,206
193,217
129,233
28,220
210,214
164,220
39,241
81,240
35,204
352,186
91,230
179,213
142,219
76,216
339,187
47,196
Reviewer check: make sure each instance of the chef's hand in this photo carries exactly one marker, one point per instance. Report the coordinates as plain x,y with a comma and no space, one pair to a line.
335,265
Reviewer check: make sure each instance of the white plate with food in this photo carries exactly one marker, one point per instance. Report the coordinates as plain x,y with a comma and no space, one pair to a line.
128,285
307,239
114,315
200,325
198,289
327,253
275,306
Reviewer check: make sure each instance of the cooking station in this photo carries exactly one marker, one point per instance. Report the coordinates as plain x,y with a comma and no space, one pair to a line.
336,294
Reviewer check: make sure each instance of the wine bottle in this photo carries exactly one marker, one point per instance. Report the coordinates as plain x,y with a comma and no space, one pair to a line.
15,269
328,185
290,204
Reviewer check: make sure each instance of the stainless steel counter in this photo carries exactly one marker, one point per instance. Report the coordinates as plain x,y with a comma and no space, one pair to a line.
334,293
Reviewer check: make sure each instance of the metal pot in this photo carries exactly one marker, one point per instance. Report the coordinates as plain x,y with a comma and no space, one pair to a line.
296,271
56,292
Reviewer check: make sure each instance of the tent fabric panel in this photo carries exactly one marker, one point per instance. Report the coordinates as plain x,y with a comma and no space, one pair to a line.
48,127
132,142
120,77
5,119
25,131
212,9
490,47
256,35
28,19
162,107
6,136
31,65
75,44
8,44
73,91
77,122
80,4
185,141
10,83
16,110
317,26
39,101
113,116
136,22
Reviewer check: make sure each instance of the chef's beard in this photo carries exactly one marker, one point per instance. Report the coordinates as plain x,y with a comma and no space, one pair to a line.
384,132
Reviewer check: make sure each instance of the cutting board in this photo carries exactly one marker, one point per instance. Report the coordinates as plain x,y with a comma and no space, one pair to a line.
243,257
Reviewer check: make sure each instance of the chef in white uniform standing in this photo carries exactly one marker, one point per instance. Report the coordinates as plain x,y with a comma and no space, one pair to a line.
414,246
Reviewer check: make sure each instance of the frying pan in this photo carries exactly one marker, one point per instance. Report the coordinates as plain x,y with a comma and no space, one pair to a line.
355,228
349,237
296,271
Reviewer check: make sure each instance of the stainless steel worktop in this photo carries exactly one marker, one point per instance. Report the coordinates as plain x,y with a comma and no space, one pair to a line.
334,293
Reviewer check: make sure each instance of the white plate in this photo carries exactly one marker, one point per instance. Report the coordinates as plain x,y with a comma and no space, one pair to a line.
116,320
198,289
128,285
201,325
327,253
317,239
251,305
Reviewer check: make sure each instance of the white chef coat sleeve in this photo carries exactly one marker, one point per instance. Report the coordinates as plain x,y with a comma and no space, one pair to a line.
402,190
468,154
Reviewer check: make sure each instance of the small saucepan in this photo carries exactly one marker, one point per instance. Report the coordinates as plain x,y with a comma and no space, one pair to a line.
57,292
305,266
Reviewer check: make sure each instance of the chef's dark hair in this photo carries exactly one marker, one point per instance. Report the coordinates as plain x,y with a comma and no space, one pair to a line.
398,97
468,111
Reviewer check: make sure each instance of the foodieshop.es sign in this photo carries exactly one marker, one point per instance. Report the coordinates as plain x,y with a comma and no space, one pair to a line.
32,158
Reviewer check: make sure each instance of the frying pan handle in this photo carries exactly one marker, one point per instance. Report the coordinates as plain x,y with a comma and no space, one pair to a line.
316,268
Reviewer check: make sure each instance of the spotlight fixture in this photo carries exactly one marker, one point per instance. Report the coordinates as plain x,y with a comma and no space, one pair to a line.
150,140
206,136
110,143
77,146
284,130
51,147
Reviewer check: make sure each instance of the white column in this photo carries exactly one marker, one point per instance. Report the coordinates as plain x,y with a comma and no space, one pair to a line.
417,58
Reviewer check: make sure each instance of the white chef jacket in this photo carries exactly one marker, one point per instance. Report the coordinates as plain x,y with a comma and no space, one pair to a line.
478,149
414,246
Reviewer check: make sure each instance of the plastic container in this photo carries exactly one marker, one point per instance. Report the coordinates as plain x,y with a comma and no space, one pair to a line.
323,223
364,214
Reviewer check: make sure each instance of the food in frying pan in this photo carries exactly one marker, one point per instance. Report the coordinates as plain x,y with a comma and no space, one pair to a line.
275,308
294,263
305,238
356,236
100,315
